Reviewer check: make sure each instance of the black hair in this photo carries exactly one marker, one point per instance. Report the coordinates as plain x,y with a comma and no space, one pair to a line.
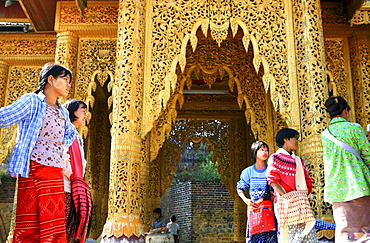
285,133
173,218
335,105
72,106
157,211
255,147
54,70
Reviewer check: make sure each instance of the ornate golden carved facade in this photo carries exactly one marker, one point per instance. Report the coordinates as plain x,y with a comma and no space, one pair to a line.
133,62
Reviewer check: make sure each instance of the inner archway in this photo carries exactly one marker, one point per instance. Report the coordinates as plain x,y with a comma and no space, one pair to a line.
98,144
196,199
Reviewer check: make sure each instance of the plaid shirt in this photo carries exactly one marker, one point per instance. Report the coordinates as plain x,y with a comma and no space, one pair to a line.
29,112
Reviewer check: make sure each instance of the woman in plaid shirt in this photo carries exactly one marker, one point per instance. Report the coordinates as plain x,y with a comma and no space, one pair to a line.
44,129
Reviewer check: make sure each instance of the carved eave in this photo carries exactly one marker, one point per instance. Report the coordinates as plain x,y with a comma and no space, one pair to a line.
335,21
354,6
331,31
27,49
362,15
41,13
99,19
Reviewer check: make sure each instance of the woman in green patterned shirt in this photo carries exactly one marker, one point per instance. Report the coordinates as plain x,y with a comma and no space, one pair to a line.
347,177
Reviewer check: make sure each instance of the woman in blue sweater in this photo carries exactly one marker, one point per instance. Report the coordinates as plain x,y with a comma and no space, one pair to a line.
253,178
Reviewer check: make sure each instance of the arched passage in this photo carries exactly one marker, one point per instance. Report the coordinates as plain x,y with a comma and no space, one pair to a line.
218,83
98,142
230,63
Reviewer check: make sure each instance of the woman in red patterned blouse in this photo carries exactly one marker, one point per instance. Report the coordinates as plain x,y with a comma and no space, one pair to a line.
288,175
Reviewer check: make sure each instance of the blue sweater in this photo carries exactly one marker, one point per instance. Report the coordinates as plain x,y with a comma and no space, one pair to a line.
255,180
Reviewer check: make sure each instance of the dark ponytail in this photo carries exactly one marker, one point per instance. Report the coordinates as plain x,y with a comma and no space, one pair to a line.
335,105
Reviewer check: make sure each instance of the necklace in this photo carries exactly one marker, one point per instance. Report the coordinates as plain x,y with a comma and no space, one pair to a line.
52,104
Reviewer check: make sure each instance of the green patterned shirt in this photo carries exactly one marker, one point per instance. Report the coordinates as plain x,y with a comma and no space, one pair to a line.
346,178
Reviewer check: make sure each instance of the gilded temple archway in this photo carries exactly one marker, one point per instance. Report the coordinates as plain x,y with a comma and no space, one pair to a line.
219,82
258,29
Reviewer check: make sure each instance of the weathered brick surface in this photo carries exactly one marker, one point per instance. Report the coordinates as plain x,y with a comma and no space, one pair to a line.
6,210
204,211
7,190
177,201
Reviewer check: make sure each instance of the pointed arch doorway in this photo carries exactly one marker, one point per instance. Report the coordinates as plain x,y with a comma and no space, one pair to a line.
204,94
97,145
220,82
205,209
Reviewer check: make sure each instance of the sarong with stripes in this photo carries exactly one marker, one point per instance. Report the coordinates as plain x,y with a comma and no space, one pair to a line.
40,215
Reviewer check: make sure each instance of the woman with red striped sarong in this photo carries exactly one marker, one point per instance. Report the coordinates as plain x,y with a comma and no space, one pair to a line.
78,207
44,129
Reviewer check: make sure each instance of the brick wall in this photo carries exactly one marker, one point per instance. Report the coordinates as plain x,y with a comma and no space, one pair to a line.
7,190
213,211
204,211
177,201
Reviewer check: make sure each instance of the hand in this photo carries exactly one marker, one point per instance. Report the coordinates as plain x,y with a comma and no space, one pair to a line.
301,225
153,231
252,205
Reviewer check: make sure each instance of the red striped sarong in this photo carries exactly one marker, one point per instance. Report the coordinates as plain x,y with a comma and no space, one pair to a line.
40,215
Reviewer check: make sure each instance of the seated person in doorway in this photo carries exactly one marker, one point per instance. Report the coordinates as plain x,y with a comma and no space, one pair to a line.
158,222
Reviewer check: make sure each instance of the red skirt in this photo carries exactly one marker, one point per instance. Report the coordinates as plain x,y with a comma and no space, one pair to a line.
40,215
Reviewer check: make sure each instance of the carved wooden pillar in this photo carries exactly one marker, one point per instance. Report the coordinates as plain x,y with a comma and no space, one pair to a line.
125,209
66,54
360,69
312,92
239,159
240,220
4,69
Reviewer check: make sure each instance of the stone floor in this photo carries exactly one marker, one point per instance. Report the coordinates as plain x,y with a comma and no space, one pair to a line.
320,241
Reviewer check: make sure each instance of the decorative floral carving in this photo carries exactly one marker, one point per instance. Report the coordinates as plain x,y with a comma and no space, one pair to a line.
176,23
361,17
125,209
70,15
312,80
21,80
360,68
97,58
335,65
27,47
3,81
